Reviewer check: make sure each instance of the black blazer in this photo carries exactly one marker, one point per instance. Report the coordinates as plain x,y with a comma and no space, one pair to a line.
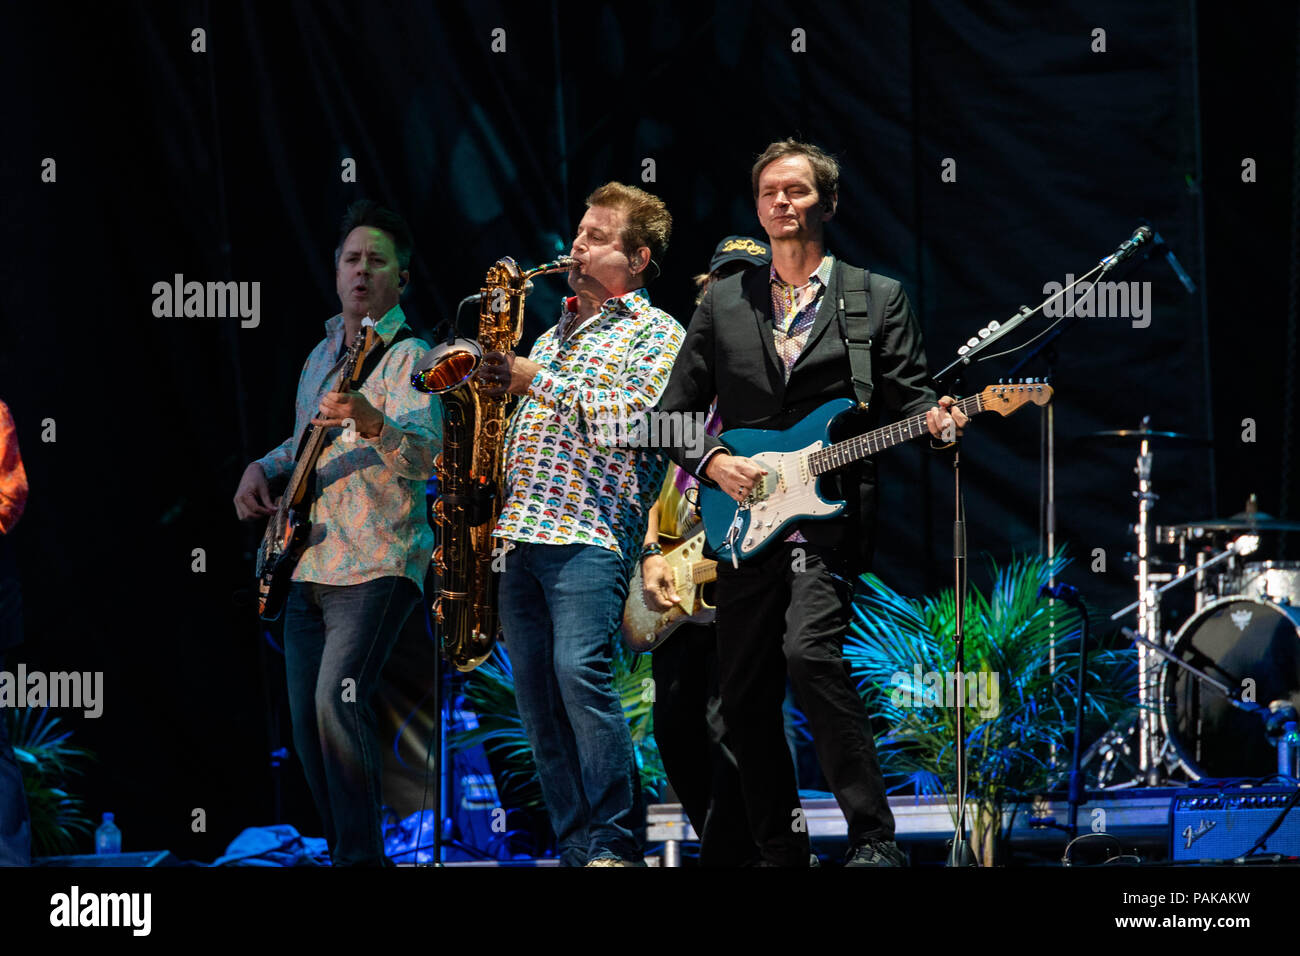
729,353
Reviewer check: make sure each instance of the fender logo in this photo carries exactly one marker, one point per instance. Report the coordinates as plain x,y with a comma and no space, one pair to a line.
1190,836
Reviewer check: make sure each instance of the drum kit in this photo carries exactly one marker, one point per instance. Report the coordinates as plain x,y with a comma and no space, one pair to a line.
1215,698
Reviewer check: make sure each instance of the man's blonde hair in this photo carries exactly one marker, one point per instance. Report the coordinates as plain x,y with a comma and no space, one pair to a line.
646,220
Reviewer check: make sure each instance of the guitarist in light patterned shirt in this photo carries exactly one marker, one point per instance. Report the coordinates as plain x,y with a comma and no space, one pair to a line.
369,543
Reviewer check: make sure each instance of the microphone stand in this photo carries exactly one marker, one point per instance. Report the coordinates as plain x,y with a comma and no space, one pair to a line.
960,853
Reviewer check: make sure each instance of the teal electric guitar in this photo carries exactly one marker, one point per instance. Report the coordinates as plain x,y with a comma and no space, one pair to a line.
799,456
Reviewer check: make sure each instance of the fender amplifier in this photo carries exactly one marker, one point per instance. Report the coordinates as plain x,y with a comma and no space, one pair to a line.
1222,823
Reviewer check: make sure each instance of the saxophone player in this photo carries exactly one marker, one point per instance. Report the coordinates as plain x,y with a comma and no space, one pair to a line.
573,518
363,569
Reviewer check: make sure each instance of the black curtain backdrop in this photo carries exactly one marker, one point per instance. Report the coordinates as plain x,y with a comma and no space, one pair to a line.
227,165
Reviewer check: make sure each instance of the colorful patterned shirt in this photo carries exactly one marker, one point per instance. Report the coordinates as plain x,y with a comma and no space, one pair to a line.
794,309
574,473
368,514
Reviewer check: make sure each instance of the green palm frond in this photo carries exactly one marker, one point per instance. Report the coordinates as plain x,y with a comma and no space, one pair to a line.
490,691
1021,646
48,763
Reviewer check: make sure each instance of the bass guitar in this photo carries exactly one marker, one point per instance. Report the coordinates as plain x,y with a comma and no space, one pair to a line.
286,531
797,457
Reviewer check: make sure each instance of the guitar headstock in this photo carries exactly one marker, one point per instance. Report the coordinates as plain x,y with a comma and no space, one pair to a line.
1005,397
362,346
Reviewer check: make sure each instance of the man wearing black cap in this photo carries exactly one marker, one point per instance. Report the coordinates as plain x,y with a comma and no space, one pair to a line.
772,346
688,720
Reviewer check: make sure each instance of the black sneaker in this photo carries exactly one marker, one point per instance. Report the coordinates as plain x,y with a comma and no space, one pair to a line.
876,852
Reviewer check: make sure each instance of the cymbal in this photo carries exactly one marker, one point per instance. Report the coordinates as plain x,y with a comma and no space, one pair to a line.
1260,522
1120,436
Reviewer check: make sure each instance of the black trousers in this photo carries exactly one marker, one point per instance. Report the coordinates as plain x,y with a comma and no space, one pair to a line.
789,610
691,735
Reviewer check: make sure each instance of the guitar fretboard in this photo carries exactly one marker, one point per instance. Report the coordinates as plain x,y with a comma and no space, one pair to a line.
860,446
295,490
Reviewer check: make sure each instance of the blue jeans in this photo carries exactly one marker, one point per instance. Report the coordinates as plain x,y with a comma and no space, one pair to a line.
561,606
334,634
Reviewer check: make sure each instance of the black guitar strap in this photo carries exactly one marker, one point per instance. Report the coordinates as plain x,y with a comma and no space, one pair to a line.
859,328
376,355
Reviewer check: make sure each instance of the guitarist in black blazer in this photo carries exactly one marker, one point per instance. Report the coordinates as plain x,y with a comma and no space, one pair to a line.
771,344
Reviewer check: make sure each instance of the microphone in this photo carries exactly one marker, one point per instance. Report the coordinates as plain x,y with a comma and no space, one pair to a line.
1140,237
1158,242
476,297
1062,592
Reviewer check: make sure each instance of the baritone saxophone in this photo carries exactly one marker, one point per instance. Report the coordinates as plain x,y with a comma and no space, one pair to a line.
471,468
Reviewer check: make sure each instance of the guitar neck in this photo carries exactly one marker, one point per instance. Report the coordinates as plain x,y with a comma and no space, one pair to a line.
869,443
296,489
703,572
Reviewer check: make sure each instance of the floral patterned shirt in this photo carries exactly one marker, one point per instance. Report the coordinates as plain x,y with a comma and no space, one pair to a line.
571,478
368,514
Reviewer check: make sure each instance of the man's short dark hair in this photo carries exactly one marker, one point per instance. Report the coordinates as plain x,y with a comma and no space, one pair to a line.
367,212
826,171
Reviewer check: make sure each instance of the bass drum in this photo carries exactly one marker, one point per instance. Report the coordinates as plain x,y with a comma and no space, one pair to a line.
1235,640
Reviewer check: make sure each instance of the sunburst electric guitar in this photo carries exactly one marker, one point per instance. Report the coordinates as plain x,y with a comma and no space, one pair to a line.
286,531
644,629
798,457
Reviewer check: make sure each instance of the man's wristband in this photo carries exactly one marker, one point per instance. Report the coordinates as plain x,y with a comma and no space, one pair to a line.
649,549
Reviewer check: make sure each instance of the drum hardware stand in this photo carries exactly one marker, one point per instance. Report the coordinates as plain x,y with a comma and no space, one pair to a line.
1244,545
1153,748
1148,615
1246,706
1114,752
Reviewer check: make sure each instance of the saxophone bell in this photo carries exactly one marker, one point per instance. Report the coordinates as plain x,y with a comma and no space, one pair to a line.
447,366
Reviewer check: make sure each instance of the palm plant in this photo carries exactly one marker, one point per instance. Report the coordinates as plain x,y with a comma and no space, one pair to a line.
490,691
48,762
1023,652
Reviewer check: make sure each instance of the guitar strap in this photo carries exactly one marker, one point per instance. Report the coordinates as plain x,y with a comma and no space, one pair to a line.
858,328
372,361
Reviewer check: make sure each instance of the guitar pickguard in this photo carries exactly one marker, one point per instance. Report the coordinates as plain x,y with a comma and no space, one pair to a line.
789,494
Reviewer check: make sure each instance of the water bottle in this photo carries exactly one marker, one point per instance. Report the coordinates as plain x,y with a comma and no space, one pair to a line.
108,838
1288,751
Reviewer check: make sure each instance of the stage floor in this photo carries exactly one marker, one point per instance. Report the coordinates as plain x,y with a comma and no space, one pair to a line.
1138,817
